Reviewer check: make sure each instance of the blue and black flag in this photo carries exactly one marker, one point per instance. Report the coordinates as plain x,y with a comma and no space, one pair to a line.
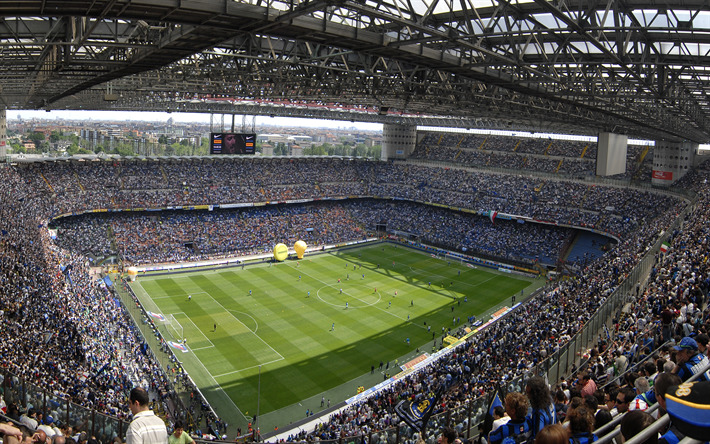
417,412
488,422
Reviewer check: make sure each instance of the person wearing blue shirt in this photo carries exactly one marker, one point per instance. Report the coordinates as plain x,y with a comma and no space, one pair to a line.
543,410
516,430
690,361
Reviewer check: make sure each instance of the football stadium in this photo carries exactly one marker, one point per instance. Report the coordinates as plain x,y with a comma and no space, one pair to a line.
523,260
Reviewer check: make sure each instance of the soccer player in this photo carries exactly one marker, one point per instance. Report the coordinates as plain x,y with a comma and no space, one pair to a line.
395,292
332,327
189,297
346,305
249,292
299,277
375,290
309,294
341,291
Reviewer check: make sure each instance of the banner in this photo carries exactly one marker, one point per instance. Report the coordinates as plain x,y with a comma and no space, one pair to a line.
663,175
156,316
178,346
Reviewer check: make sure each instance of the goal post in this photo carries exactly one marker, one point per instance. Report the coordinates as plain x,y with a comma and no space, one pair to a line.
174,328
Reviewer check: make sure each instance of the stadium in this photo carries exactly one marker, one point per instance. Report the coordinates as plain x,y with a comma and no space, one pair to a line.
257,297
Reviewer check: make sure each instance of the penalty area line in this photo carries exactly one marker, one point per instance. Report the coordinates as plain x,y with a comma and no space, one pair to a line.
247,368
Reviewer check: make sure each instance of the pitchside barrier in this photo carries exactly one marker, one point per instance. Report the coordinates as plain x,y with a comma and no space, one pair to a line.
188,267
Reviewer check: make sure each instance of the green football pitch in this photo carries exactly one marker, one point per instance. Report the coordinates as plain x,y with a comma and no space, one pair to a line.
301,330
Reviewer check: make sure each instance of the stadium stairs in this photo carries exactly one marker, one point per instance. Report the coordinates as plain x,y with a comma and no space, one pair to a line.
584,246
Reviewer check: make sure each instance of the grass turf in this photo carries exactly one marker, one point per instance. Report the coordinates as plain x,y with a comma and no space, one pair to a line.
287,335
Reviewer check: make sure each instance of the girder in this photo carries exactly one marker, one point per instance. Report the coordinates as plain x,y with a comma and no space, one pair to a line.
634,67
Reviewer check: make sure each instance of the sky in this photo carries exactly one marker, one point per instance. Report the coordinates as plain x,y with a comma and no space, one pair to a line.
189,117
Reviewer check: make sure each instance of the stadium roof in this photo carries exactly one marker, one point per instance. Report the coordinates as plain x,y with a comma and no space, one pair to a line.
633,67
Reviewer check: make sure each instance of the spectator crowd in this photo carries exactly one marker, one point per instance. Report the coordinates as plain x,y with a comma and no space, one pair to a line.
64,331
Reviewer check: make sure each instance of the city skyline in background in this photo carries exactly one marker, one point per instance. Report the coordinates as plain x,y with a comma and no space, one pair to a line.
153,116
148,116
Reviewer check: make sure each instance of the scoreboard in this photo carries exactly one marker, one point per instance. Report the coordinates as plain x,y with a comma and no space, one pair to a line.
232,143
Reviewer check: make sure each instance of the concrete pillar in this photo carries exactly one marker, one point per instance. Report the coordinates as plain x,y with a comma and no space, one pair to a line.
399,141
672,161
611,154
3,134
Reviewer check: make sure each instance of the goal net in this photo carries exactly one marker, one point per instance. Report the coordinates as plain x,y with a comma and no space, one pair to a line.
174,328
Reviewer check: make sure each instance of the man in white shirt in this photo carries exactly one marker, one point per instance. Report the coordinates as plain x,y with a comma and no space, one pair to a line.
30,419
499,417
146,428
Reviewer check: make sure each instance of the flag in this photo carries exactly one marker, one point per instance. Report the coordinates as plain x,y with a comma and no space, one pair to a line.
417,412
156,316
178,346
664,247
492,215
488,422
101,370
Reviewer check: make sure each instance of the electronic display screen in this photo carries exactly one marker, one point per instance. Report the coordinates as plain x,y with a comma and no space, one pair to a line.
232,143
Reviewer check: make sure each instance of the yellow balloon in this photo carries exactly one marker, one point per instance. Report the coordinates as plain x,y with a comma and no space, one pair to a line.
300,248
280,252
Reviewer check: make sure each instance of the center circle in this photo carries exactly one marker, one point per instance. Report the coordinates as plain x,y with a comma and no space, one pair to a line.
355,294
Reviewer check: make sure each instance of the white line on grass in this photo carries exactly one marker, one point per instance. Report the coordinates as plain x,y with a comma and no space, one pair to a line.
333,286
248,368
424,273
216,384
221,389
256,324
196,328
237,319
148,304
175,296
